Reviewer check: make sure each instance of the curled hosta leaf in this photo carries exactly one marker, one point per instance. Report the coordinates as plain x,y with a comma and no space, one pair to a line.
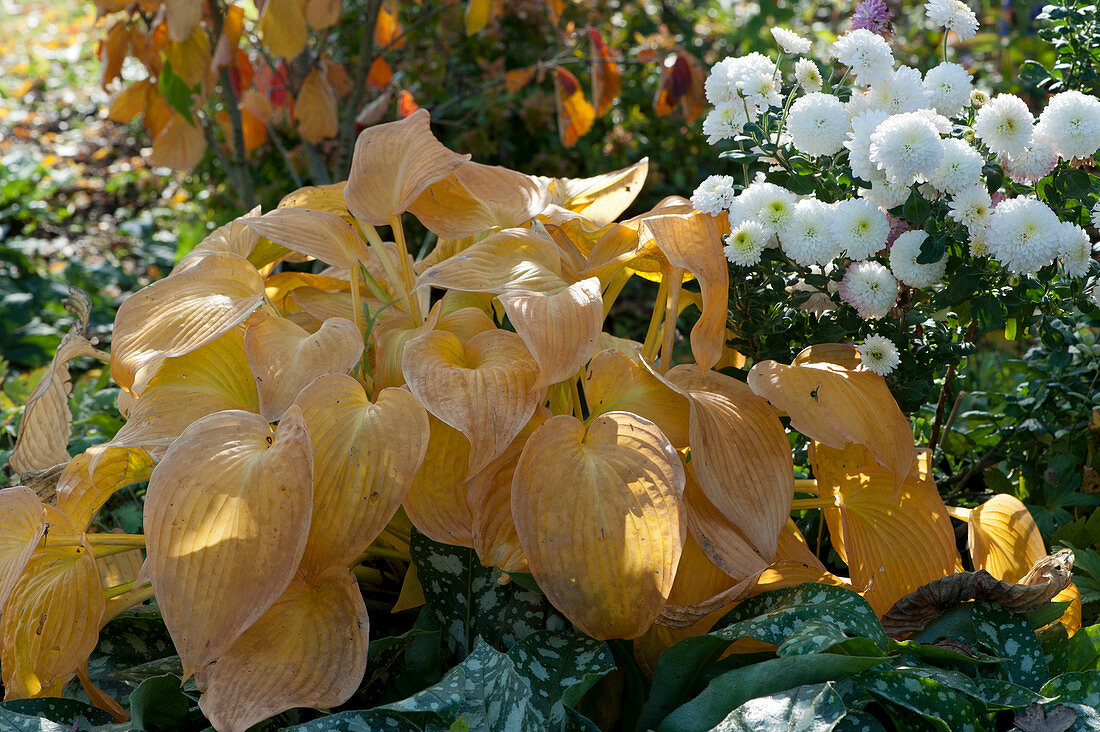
329,198
693,243
390,337
837,406
235,237
393,164
228,511
485,389
598,513
507,261
21,526
718,538
1049,577
308,650
50,623
47,420
893,542
615,381
436,502
319,234
741,455
365,456
601,198
285,358
475,198
118,569
280,286
560,329
183,312
95,475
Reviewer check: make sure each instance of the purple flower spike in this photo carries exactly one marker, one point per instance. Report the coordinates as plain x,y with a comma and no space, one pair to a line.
873,15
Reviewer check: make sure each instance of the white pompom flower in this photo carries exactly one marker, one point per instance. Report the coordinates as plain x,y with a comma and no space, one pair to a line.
1096,295
859,144
714,195
746,242
1023,235
972,207
1074,249
960,167
1005,125
949,86
907,148
953,15
861,227
879,355
869,288
902,90
807,75
1072,121
1037,161
818,124
1096,215
808,238
866,54
769,204
790,42
904,265
886,194
727,120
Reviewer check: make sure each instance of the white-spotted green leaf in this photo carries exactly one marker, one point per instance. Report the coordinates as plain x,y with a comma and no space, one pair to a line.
560,667
807,708
906,694
1010,636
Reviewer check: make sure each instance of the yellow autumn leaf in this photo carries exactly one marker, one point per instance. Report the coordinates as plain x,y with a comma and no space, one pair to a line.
484,388
315,108
189,56
227,510
321,14
235,237
365,456
180,313
601,198
282,28
509,260
285,357
130,102
436,502
309,649
724,544
392,165
319,234
329,198
478,13
21,526
465,323
598,512
179,144
615,381
94,476
390,337
280,285
183,18
118,569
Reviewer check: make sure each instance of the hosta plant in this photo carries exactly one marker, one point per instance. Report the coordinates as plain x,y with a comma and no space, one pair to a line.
299,390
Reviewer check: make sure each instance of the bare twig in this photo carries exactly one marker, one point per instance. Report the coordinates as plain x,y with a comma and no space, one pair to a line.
358,87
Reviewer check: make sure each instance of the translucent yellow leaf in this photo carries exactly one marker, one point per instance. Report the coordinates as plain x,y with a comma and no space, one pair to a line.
182,312
893,542
180,145
323,14
836,406
235,237
315,108
412,593
279,286
323,305
365,456
285,357
130,102
118,569
601,198
189,56
436,502
392,165
390,337
227,515
21,526
1003,538
507,261
475,198
282,28
328,198
319,234
309,649
616,382
95,475
478,13
183,18
485,388
598,513
561,329
465,323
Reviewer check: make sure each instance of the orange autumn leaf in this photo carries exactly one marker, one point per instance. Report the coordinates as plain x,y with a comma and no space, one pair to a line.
575,114
516,79
606,83
406,105
321,14
681,84
315,108
130,102
380,73
112,51
387,30
337,77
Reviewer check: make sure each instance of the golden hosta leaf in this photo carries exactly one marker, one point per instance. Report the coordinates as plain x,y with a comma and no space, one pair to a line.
465,323
436,502
478,197
412,592
279,286
228,511
485,388
740,454
837,406
393,164
212,378
329,198
182,312
893,542
235,237
183,18
601,198
285,358
319,234
843,355
1003,538
282,28
50,623
598,513
321,14
308,650
693,242
21,526
510,260
390,337
324,305
365,457
615,381
723,543
561,329
315,108
95,475
118,569
43,439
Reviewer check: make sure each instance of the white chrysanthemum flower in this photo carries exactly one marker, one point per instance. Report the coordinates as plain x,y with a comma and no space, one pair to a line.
979,243
902,90
904,265
818,124
790,42
761,90
721,85
1005,125
949,85
1074,249
972,208
960,167
861,227
768,204
746,242
714,195
907,148
807,75
953,15
859,144
869,288
1023,235
808,238
1037,160
866,54
879,355
886,194
1072,120
1096,296
726,121
1096,215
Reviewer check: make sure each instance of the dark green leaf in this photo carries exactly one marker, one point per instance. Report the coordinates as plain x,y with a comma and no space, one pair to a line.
159,704
1011,637
1084,648
1076,687
175,91
68,714
367,720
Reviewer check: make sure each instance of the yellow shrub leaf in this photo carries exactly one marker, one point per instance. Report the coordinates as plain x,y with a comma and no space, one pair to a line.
485,388
226,520
112,51
598,513
130,102
561,329
189,56
95,475
319,234
575,114
282,28
436,502
182,312
183,18
478,13
837,406
285,358
308,650
315,108
614,381
509,260
179,144
21,526
392,165
601,198
365,456
321,14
